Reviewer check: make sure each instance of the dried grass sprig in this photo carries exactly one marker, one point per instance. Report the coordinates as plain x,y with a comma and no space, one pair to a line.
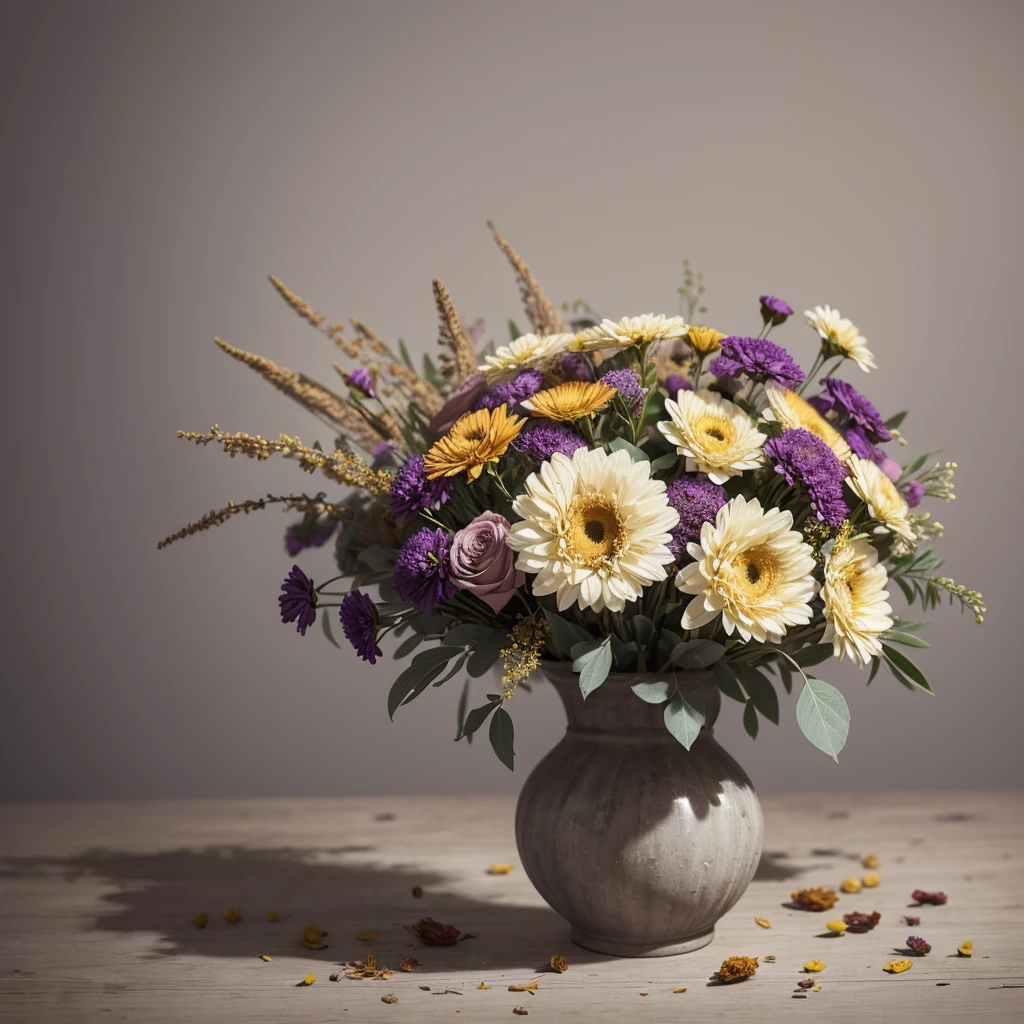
541,312
311,395
340,465
292,502
453,336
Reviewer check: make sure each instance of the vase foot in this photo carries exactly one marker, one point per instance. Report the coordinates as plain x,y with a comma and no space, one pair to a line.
623,947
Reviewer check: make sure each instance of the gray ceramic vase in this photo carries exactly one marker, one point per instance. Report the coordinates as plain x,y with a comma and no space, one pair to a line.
638,843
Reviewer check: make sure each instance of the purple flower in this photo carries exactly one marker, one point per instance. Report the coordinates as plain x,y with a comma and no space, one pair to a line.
422,574
483,564
361,380
298,600
542,439
805,460
918,945
890,467
914,492
774,310
697,500
510,392
758,358
411,491
308,532
383,450
676,382
574,366
358,615
458,403
858,440
858,408
627,384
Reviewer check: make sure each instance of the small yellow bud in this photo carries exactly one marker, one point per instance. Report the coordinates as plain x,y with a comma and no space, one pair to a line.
836,926
272,917
233,916
871,861
872,881
265,958
201,920
813,966
500,869
309,979
850,885
966,948
763,922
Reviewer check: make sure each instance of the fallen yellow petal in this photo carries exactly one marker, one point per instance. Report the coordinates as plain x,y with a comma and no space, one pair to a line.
367,935
898,966
265,958
966,948
817,988
482,986
309,979
201,920
675,990
500,869
871,861
763,922
233,916
871,881
814,965
272,917
836,926
850,885
532,987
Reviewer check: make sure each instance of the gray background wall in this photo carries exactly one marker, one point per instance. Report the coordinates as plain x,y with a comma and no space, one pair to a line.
161,159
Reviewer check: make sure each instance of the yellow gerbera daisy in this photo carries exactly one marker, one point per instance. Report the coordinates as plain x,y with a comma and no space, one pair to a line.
475,439
704,340
884,501
572,400
793,412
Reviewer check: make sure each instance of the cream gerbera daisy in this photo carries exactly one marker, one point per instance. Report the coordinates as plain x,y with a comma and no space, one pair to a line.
793,412
570,401
840,337
751,567
595,529
856,609
714,432
527,351
631,330
884,501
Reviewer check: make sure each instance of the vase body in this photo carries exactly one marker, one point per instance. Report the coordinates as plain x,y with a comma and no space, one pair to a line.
640,844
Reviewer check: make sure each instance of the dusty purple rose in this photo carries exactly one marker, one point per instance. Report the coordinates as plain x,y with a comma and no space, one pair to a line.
361,380
774,310
676,382
458,403
914,492
482,563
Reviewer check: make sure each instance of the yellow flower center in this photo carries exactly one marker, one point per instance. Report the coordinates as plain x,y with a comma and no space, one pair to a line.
716,433
758,572
595,530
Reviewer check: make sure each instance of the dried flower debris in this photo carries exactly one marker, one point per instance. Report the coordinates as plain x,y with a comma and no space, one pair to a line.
367,968
265,958
409,963
911,922
816,988
763,922
558,964
271,917
307,981
312,937
417,892
837,927
966,948
871,861
871,880
201,920
520,1011
736,968
483,987
531,987
389,998
676,991
433,933
813,966
816,899
858,923
805,983
918,946
233,916
500,869
367,935
850,885
769,959
919,896
898,966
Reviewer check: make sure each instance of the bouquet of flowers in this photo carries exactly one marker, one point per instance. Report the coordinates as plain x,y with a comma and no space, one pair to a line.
643,496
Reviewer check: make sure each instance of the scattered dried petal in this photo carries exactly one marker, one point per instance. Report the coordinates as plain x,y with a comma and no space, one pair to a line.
520,1011
531,987
898,966
409,963
816,988
677,990
763,922
433,933
367,935
872,881
806,983
367,968
799,995
308,979
871,861
265,958
642,994
918,945
966,948
417,892
850,885
814,965
919,896
334,977
735,968
389,998
911,922
558,964
817,898
769,959
836,926
859,923
201,920
233,916
483,986
500,869
312,936
271,917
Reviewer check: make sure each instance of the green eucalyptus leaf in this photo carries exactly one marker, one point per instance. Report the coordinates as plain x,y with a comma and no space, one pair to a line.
502,737
459,662
894,421
620,444
895,636
476,718
592,661
466,634
712,706
906,626
425,667
655,692
760,691
487,651
813,655
727,681
664,462
750,720
623,655
907,668
407,646
876,664
786,674
823,716
377,557
429,624
684,716
643,629
667,643
325,621
695,654
565,634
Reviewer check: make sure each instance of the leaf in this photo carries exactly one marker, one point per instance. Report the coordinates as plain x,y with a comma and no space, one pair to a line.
656,692
593,661
466,634
460,711
620,444
712,705
425,667
750,720
623,655
502,737
900,661
907,626
813,655
894,636
459,662
643,629
876,664
667,643
408,645
727,681
664,462
908,591
697,653
513,331
760,690
404,353
377,557
565,633
326,623
786,674
429,624
684,716
486,652
823,716
893,422
477,717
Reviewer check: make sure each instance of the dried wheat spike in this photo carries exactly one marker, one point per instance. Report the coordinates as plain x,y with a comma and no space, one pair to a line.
453,336
542,314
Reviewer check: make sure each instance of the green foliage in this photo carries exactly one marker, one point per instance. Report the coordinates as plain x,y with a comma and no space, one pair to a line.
696,654
750,720
476,718
486,651
727,682
905,670
564,634
425,668
502,737
760,690
592,661
684,715
656,692
823,716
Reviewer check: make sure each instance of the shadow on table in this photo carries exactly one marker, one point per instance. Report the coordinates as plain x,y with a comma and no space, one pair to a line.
161,892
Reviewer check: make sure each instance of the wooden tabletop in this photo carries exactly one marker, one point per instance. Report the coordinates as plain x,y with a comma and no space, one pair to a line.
97,900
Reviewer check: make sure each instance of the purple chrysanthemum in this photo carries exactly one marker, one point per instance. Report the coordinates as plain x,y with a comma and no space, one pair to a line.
575,366
914,492
510,392
628,386
298,600
358,615
758,358
861,445
805,460
774,310
383,450
676,382
361,380
542,439
697,500
308,532
411,491
918,945
859,409
422,574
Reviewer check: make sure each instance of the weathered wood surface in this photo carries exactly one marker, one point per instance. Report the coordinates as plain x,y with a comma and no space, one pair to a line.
96,902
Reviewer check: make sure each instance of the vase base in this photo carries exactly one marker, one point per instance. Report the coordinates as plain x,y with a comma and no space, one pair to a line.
623,947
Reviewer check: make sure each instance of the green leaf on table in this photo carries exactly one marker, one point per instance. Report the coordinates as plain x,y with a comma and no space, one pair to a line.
684,716
487,651
425,668
592,661
620,444
907,668
727,681
823,716
760,691
655,692
476,718
896,636
750,720
565,633
502,737
815,654
697,654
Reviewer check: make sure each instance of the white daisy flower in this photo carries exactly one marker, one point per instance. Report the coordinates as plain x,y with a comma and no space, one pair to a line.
751,568
840,337
595,529
526,352
631,330
884,501
856,608
716,434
